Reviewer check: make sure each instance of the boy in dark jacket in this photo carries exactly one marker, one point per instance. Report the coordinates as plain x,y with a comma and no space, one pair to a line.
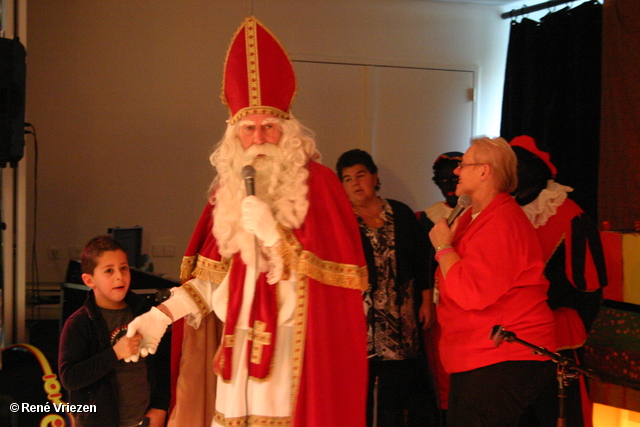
94,348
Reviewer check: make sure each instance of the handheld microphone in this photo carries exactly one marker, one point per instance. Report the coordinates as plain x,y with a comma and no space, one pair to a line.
248,174
464,202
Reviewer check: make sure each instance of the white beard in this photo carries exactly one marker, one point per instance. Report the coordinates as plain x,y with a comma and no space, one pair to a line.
268,161
281,181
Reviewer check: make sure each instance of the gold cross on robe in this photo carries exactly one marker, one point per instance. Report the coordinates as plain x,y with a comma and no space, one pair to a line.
259,339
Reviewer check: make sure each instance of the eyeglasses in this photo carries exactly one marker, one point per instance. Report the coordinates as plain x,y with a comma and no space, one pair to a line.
440,181
462,165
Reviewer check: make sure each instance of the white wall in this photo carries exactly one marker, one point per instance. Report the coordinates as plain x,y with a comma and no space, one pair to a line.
125,98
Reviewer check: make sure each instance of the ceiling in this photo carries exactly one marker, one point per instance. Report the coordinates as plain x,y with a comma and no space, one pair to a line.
494,2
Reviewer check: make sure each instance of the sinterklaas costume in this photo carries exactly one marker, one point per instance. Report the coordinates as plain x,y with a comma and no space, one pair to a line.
289,354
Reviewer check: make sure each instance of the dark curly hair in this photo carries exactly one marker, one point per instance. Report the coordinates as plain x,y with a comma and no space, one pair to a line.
356,157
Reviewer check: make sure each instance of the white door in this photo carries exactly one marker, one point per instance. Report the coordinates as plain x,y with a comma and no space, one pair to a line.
404,116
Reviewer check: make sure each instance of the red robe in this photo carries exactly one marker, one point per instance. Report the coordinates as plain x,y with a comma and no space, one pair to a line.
329,358
575,268
576,271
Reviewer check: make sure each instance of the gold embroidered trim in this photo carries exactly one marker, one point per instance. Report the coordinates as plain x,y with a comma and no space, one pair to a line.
259,337
299,337
252,420
289,249
261,109
187,266
253,61
332,273
327,272
229,340
204,268
197,298
290,242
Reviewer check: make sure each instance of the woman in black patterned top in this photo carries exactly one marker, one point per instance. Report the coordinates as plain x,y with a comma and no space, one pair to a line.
397,301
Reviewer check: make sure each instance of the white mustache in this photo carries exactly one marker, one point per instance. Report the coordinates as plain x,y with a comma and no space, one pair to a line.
269,150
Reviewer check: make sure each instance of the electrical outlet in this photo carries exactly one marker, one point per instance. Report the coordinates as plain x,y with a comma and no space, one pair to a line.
54,252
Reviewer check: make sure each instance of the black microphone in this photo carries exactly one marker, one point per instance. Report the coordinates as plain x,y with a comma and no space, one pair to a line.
498,334
248,173
464,202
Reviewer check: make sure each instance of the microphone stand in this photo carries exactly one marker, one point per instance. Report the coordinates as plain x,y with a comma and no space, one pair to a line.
567,370
248,175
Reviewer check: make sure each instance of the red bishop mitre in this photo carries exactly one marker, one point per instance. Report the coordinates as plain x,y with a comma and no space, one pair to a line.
529,144
258,74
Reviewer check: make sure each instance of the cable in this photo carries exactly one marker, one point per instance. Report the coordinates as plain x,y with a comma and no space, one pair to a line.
35,274
256,275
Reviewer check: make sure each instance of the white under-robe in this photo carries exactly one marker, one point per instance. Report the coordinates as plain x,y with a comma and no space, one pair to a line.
270,397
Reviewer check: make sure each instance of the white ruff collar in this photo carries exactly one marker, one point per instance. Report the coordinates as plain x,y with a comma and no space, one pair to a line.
546,204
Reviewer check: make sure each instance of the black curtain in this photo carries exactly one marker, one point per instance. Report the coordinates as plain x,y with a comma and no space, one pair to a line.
619,195
552,93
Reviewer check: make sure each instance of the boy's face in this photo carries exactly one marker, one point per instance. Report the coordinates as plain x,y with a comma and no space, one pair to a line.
110,279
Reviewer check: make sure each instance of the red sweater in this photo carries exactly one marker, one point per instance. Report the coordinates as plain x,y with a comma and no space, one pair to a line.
498,281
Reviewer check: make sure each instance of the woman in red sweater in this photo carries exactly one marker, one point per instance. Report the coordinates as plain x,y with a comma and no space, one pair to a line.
491,273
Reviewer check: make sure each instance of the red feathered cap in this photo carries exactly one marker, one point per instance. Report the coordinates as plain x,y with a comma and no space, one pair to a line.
529,144
258,74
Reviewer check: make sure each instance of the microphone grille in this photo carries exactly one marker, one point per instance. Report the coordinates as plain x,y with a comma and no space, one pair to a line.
248,172
464,201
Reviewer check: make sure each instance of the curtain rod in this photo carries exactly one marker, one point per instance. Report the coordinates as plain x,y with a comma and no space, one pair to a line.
527,9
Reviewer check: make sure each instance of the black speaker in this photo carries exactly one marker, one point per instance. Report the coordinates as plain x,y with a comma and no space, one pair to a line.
13,80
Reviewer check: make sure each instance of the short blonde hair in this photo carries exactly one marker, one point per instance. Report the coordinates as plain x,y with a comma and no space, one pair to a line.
497,153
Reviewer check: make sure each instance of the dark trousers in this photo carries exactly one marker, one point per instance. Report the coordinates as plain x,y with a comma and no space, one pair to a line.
496,395
401,394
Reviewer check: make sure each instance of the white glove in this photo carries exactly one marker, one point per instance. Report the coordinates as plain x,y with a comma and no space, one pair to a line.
258,220
152,326
180,304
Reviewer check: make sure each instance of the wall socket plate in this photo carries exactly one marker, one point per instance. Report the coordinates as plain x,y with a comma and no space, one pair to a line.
54,252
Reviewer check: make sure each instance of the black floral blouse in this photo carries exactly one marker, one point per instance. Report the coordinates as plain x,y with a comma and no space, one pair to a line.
390,307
